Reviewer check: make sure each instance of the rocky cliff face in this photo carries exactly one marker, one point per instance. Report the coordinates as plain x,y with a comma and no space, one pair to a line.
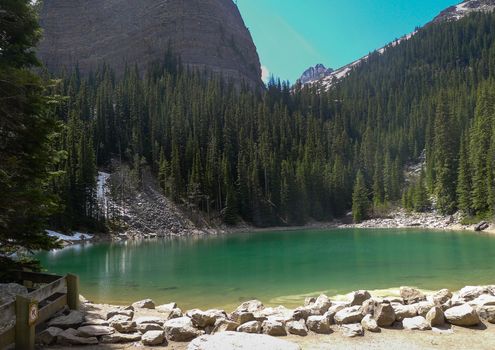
315,73
205,33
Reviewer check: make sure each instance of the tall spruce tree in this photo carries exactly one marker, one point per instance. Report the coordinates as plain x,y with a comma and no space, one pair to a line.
360,201
26,129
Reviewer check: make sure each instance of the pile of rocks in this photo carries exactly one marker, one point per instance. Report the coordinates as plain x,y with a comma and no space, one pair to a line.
413,310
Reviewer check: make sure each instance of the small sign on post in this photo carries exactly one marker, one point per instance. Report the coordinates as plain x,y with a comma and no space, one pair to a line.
33,313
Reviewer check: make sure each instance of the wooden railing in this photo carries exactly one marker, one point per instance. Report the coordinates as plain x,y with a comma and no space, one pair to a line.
37,306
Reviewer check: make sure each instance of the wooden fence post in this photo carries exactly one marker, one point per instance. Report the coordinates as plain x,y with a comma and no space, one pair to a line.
72,291
24,331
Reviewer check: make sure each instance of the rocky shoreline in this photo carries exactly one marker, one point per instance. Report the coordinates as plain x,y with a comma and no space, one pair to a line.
252,325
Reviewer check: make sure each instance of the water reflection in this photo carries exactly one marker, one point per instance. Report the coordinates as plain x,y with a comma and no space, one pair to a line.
274,266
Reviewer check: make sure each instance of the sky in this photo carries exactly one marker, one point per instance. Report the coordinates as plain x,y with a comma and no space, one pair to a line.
292,35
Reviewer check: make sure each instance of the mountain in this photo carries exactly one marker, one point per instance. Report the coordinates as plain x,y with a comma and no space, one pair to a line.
205,33
452,13
315,73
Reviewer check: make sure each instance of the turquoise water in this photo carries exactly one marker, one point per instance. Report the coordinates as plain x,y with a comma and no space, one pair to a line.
275,267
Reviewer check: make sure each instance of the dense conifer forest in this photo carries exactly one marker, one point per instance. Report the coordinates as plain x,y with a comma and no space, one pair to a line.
287,155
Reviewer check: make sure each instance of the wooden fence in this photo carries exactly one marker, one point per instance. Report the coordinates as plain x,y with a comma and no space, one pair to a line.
37,306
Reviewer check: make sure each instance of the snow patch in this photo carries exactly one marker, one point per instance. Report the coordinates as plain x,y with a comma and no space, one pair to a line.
77,236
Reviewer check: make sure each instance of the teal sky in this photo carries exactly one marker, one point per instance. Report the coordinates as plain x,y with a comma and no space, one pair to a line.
292,35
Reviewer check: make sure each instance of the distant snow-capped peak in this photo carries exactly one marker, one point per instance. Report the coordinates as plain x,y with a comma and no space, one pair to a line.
457,12
315,73
453,13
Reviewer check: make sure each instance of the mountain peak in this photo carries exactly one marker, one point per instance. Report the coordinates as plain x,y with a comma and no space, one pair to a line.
456,12
315,73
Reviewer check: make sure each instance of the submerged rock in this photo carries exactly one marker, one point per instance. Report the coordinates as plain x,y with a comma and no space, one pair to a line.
240,341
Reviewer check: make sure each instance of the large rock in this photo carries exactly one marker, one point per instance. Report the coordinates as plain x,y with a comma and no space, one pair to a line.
321,305
369,324
441,297
416,323
330,314
469,293
435,317
273,328
166,308
302,313
279,313
423,307
404,311
180,329
149,319
71,337
146,327
463,315
95,331
8,292
124,326
349,315
48,336
144,304
482,300
411,295
203,319
224,325
73,320
152,338
250,327
127,314
250,306
318,324
309,300
384,315
358,297
243,317
240,341
368,306
120,338
487,312
352,330
297,328
207,35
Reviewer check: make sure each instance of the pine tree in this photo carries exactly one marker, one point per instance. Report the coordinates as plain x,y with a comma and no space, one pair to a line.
464,186
26,129
360,202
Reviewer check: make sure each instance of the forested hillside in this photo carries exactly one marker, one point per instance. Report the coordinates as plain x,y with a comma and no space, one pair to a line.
288,155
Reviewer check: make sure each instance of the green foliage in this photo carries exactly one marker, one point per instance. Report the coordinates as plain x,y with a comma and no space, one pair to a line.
283,155
26,132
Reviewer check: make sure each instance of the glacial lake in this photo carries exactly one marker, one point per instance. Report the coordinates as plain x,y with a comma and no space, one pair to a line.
280,267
